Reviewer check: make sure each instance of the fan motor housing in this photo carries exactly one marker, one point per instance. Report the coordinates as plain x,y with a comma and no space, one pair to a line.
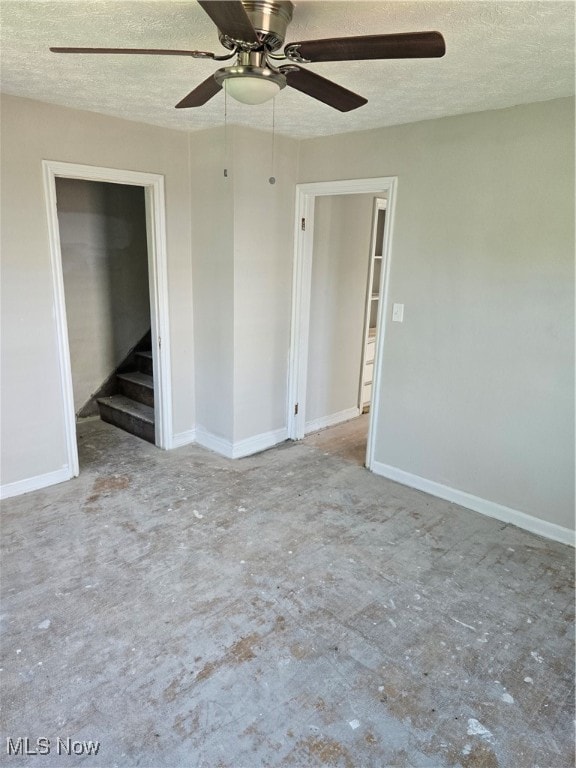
270,19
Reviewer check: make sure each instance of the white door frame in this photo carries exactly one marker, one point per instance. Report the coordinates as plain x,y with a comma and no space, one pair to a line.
157,270
301,291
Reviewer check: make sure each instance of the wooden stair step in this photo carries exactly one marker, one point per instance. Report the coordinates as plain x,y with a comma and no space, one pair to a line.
130,415
137,377
145,361
137,386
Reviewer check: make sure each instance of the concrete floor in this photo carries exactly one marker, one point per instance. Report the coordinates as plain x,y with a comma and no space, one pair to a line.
288,609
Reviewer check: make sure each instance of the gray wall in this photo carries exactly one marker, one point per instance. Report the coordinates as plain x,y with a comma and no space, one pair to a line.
478,382
340,261
105,269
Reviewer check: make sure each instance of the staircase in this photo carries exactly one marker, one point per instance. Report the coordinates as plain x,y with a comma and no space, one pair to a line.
132,408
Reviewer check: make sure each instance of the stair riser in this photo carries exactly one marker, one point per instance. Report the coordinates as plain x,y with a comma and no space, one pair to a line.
145,365
136,392
128,423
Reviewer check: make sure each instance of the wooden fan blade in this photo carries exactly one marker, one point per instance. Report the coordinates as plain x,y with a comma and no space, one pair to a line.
201,94
407,45
145,51
324,90
231,19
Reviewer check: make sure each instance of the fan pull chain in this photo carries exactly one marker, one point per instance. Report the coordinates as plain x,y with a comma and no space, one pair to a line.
272,179
225,132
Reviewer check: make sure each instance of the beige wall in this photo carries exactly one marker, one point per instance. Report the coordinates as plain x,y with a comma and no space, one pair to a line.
32,438
211,215
340,261
478,382
105,270
263,253
242,263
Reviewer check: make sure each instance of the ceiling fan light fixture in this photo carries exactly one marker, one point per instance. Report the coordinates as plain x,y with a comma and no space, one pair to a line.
251,90
254,31
250,85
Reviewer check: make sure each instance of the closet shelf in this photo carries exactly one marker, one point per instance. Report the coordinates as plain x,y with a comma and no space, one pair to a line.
373,297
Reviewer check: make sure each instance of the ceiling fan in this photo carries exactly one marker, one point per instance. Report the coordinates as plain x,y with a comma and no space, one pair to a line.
255,30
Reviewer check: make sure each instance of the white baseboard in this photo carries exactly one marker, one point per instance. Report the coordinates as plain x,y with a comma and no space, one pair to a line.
258,443
477,504
213,443
241,448
183,438
330,421
35,483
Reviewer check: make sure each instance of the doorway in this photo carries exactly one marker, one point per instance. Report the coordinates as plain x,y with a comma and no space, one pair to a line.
306,198
103,249
340,268
152,189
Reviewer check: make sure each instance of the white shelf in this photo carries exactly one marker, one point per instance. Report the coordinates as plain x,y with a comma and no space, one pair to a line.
372,304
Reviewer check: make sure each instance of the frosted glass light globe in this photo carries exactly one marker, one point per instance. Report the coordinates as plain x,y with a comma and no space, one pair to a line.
251,90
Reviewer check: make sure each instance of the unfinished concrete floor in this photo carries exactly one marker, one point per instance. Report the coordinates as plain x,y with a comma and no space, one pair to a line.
288,609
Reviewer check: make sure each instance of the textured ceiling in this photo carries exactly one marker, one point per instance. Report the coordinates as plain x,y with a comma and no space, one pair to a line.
498,54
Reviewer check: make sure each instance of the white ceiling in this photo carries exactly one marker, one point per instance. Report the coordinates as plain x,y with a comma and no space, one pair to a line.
498,54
